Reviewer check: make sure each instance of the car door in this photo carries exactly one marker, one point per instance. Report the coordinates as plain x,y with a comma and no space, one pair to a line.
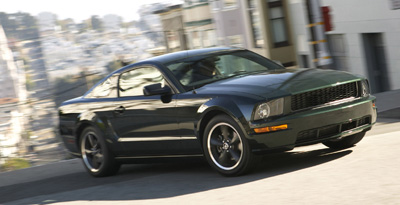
145,125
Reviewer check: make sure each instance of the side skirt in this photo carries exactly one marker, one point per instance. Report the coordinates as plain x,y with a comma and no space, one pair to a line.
152,159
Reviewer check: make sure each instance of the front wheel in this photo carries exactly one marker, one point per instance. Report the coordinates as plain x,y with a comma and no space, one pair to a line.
225,147
345,142
97,158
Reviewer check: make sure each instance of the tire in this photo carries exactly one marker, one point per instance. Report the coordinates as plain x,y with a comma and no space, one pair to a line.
226,147
96,156
345,142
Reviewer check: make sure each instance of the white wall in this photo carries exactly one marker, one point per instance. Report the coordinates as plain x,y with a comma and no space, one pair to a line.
352,18
355,17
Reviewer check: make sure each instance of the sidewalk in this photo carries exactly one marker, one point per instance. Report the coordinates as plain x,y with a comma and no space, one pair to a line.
388,104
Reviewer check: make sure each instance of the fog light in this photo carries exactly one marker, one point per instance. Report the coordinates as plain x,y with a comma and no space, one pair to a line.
271,128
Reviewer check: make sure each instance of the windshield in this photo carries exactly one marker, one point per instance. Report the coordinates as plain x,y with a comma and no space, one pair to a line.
196,71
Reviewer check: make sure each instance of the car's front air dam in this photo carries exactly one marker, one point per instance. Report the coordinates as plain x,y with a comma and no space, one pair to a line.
315,119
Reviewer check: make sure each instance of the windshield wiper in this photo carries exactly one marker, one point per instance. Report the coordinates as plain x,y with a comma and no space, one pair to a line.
241,72
238,72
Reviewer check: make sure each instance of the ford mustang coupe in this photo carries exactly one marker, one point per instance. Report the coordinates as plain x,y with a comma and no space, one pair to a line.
227,105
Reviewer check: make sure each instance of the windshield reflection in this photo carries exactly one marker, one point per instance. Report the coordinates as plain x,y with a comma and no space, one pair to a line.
198,71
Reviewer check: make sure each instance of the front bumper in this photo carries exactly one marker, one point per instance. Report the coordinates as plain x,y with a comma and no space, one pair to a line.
316,125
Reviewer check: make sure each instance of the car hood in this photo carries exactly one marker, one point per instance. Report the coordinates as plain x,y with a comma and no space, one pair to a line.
279,82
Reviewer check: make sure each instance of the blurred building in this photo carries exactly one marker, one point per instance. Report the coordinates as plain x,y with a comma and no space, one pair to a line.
112,23
230,20
149,25
199,24
173,27
262,26
36,67
10,128
150,20
364,38
46,22
10,117
8,69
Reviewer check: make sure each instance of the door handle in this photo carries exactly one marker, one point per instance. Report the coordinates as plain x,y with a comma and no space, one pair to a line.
119,110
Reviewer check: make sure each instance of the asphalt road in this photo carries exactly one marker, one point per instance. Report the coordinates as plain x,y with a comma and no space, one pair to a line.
368,173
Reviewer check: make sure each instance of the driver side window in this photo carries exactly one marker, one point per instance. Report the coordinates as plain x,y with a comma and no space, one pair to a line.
131,83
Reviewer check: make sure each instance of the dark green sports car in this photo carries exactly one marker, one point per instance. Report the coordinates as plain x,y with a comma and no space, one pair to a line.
225,104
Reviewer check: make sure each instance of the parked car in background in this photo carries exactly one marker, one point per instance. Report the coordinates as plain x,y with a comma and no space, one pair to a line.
228,105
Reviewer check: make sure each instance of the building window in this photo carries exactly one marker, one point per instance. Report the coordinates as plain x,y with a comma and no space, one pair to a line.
209,38
196,39
255,24
235,40
229,3
278,23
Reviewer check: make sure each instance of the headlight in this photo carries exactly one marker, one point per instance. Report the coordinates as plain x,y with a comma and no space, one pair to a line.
271,108
365,88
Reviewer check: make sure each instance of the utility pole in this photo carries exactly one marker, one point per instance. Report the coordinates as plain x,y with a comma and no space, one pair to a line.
322,58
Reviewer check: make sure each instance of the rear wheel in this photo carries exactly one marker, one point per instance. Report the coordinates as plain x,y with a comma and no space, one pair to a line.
345,142
97,158
225,147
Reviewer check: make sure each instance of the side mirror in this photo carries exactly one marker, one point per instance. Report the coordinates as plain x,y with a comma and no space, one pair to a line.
156,89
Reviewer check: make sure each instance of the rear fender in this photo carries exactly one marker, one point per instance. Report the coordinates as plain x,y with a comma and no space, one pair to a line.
91,119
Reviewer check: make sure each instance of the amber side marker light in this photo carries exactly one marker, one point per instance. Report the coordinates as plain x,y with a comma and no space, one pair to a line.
271,128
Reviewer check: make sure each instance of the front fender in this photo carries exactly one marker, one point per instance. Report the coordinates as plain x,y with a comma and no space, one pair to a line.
232,107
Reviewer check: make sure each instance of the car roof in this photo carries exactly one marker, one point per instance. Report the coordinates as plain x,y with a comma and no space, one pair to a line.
180,55
188,53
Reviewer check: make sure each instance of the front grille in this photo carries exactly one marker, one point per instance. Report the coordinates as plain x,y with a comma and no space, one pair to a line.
331,130
323,96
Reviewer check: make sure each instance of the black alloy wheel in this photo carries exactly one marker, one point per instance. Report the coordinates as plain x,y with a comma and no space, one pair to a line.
96,156
225,147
